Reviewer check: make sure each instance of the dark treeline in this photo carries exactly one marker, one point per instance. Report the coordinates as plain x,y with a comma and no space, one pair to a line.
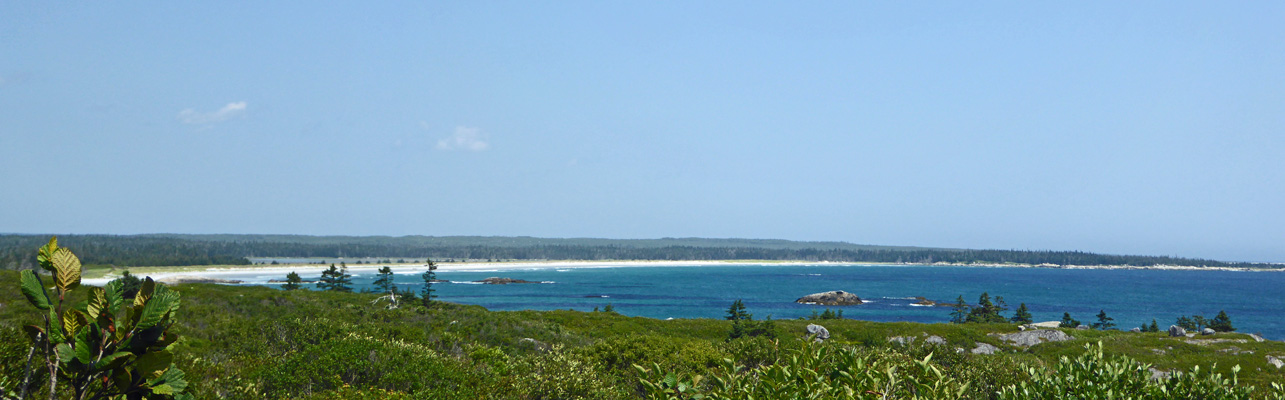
18,251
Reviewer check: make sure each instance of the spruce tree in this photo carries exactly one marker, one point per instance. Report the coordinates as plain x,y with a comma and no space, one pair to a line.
1022,315
1068,322
1153,327
1221,323
429,276
960,313
292,281
385,282
737,311
1104,322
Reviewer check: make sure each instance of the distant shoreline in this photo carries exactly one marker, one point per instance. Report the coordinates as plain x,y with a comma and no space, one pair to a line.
215,271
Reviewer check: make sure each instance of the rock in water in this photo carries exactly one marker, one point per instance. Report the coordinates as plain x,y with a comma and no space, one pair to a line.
1177,331
502,281
833,298
983,348
1206,332
1034,337
820,332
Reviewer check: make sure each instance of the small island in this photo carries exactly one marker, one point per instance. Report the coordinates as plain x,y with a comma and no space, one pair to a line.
503,281
831,298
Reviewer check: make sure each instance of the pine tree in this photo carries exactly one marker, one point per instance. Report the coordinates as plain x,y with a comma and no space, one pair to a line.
1186,323
292,281
1022,315
1104,322
429,276
385,282
1153,327
335,280
1221,323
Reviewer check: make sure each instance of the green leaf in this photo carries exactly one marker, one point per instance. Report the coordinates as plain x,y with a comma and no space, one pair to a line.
67,265
55,332
97,302
115,294
33,290
84,352
163,389
144,292
65,352
157,308
114,360
45,255
151,365
72,321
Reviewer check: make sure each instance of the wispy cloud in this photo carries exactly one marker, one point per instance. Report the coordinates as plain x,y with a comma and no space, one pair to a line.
465,138
191,116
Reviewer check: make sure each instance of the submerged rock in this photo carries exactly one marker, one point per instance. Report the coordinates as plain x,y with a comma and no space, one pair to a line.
1034,337
821,333
832,298
1177,331
503,281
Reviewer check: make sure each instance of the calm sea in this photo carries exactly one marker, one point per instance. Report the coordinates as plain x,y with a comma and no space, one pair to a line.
1255,301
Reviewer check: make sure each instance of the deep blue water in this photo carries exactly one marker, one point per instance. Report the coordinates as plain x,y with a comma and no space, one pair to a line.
1255,301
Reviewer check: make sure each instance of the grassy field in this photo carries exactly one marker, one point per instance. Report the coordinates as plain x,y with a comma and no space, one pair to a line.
257,342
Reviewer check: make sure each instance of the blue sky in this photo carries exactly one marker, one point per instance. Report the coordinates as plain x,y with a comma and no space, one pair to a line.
1138,128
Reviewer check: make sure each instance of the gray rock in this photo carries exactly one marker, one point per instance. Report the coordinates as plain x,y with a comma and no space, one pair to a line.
1034,337
1256,337
538,345
1207,332
1045,324
1276,362
1136,330
983,348
1177,331
819,331
832,298
935,340
1082,327
902,340
1158,375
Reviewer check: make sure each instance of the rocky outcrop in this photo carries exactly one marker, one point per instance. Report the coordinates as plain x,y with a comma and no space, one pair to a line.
833,298
1206,332
1044,325
1034,337
935,340
983,348
1256,338
1177,331
1136,330
1276,362
820,333
503,281
1082,327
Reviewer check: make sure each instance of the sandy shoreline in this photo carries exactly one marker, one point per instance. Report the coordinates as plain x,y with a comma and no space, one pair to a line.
280,271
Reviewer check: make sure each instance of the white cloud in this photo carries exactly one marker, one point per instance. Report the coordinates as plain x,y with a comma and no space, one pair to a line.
191,116
465,138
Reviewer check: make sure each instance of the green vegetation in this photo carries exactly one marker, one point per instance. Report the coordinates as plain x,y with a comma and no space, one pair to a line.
293,281
335,279
101,347
429,276
1022,315
249,342
1104,322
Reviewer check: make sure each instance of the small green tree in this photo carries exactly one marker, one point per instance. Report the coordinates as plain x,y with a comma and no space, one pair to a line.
129,284
1186,323
1153,327
609,308
1104,322
1221,323
335,280
429,276
986,311
1022,315
384,283
103,347
737,311
1068,322
960,311
293,282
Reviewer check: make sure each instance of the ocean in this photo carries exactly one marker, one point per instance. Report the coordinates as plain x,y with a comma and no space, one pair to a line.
1255,301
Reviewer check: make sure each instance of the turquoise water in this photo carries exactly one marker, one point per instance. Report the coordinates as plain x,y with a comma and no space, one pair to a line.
1254,300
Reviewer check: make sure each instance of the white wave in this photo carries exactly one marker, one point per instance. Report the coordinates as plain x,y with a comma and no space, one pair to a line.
468,282
919,305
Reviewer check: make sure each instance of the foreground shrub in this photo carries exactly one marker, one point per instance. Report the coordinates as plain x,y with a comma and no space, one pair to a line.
812,371
1093,375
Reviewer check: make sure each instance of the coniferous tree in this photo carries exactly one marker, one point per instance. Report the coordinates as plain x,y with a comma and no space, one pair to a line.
429,276
1221,323
737,311
292,281
1186,323
1153,327
1022,315
384,283
1104,322
129,284
986,311
960,313
1068,322
335,280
